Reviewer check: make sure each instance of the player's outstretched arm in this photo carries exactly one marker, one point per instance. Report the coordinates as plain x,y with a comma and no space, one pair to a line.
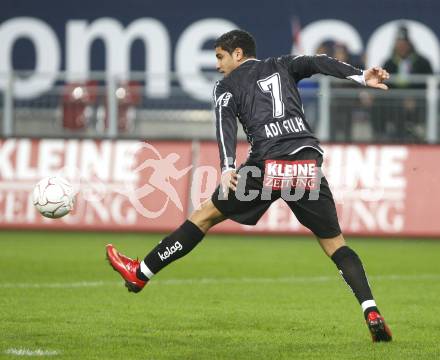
375,76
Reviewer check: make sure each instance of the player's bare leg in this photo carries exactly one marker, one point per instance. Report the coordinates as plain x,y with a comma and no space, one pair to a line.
332,244
206,216
351,269
137,273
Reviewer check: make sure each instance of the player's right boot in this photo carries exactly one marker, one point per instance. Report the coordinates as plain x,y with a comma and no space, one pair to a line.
126,267
378,328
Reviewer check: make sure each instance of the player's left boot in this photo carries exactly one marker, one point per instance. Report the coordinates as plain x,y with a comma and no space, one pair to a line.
378,328
126,267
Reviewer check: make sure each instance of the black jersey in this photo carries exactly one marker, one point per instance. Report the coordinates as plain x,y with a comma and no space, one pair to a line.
263,95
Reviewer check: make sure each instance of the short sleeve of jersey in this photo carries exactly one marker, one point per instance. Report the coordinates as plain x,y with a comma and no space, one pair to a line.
226,124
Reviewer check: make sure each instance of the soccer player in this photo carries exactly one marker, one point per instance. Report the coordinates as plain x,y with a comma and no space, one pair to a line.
285,156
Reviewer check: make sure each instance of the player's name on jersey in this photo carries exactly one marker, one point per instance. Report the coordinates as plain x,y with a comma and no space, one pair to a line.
287,126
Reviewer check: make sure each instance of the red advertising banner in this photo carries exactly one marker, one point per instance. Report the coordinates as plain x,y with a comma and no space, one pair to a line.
118,182
135,186
384,190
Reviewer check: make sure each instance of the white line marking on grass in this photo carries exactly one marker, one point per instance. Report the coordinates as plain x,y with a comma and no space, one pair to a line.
27,352
292,279
57,285
214,281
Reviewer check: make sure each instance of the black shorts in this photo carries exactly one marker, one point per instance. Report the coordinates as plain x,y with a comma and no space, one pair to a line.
315,209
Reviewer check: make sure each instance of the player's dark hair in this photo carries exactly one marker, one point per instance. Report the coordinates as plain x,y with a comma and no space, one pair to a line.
237,39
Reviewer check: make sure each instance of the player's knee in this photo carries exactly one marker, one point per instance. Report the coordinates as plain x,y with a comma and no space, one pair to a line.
330,245
206,216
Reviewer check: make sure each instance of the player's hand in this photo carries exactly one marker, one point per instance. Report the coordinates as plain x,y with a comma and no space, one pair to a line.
375,76
229,180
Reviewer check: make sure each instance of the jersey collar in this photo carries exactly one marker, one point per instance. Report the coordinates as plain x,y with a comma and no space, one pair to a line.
252,59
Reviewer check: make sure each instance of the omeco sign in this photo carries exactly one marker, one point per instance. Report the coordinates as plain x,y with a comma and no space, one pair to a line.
379,190
191,57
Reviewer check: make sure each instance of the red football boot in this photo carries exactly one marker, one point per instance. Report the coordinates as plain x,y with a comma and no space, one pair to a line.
126,267
378,328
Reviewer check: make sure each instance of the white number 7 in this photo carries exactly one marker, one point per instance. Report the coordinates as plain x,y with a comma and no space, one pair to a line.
272,85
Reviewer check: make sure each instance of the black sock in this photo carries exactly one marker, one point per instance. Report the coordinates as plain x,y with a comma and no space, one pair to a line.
171,248
351,269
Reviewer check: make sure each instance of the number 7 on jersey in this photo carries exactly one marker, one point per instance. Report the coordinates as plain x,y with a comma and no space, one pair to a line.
272,85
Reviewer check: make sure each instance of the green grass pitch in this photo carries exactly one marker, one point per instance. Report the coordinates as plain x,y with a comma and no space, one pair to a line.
233,297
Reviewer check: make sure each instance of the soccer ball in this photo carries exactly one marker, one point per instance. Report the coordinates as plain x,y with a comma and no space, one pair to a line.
53,197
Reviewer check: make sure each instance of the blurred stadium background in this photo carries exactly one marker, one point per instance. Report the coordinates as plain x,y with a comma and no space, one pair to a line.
94,90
